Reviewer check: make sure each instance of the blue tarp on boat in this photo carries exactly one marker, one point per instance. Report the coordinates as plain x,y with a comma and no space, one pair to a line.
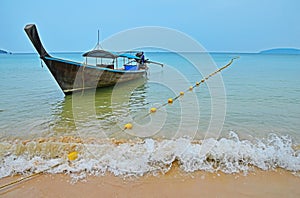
127,55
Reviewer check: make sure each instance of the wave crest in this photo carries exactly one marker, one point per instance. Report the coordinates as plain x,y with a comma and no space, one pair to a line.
140,157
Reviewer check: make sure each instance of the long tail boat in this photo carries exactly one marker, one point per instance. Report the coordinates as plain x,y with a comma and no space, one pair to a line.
104,70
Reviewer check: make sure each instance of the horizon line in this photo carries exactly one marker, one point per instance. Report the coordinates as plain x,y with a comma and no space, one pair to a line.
217,51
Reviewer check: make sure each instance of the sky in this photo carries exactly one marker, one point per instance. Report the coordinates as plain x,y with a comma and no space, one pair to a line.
218,25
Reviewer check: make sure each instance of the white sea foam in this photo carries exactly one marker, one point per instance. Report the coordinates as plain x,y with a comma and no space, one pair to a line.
229,155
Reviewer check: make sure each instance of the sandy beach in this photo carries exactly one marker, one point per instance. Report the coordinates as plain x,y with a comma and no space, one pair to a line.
278,183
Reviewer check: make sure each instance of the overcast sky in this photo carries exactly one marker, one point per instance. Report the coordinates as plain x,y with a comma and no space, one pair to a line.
219,25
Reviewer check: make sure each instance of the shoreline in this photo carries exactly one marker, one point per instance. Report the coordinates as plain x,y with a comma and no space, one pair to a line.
175,183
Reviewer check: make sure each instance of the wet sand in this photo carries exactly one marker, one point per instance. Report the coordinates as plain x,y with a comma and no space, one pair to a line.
175,183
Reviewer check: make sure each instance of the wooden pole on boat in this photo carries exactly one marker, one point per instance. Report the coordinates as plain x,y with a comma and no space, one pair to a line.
98,38
147,61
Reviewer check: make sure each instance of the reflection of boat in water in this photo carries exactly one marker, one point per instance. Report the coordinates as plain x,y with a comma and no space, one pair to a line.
98,114
105,68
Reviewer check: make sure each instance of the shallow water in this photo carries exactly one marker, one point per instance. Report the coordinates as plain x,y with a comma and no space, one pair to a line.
261,104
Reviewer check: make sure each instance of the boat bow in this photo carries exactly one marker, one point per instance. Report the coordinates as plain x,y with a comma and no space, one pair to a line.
33,35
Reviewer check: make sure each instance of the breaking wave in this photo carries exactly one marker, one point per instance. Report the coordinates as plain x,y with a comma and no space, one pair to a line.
148,156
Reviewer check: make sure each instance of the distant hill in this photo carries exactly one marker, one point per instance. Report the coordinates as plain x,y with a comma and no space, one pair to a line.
4,52
281,51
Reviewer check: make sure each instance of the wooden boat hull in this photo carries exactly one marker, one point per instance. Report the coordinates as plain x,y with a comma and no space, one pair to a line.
73,76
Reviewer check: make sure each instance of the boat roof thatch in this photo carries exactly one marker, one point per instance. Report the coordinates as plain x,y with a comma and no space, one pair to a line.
99,53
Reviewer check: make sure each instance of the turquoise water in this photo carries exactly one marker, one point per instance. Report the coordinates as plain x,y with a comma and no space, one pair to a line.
261,102
262,95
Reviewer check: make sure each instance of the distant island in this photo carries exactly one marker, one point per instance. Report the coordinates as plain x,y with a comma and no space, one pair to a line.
281,51
4,52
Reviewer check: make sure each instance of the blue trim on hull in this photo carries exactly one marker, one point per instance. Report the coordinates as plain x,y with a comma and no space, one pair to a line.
93,67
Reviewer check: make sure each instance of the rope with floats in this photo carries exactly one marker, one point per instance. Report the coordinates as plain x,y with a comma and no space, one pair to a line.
171,100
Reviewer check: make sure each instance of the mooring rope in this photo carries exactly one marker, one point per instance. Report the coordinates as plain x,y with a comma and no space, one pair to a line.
27,177
71,157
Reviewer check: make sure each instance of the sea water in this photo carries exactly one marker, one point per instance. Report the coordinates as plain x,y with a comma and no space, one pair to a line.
246,116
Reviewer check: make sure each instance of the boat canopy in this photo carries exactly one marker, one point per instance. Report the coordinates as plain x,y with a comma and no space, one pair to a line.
129,56
98,53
